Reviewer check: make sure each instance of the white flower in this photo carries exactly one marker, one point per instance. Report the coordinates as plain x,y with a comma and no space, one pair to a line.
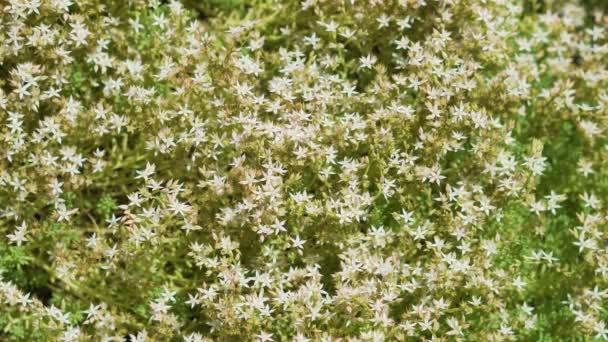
63,214
367,62
18,236
147,172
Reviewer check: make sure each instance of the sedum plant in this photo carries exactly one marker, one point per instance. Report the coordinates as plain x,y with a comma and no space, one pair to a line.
317,170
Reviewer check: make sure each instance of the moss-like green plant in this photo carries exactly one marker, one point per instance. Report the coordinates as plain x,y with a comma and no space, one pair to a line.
316,170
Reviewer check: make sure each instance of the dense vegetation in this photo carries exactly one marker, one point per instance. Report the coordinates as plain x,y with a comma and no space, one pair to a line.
316,170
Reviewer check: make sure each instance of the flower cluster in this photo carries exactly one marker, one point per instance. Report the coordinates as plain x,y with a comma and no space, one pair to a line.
316,170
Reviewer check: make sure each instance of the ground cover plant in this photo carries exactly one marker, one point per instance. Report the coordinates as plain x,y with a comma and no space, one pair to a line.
316,170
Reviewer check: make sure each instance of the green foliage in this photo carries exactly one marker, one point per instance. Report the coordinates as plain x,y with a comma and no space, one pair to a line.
311,170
